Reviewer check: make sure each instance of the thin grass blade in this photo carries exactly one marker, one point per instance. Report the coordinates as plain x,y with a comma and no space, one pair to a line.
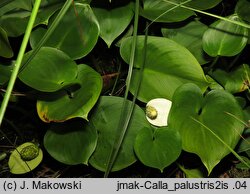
176,6
46,36
19,59
125,107
209,14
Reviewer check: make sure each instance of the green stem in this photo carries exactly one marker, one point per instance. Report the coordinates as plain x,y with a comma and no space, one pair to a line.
209,14
138,84
19,59
123,122
48,33
132,54
116,80
176,6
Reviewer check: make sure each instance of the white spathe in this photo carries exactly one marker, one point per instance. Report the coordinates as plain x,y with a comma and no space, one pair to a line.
157,111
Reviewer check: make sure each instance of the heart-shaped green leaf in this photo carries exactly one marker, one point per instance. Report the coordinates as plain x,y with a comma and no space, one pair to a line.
235,81
71,142
49,71
152,9
15,21
18,166
76,34
242,9
105,119
225,38
75,101
113,22
159,147
5,48
200,119
168,65
189,36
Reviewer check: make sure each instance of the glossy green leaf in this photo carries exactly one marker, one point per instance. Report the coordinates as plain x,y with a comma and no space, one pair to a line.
225,38
242,9
74,101
76,34
189,36
71,142
168,65
49,71
4,7
15,21
28,4
203,4
192,173
193,115
10,5
164,11
159,147
18,166
105,119
113,22
151,9
5,72
235,81
5,48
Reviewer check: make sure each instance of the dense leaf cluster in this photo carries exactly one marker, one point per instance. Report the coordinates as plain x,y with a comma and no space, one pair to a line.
193,61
